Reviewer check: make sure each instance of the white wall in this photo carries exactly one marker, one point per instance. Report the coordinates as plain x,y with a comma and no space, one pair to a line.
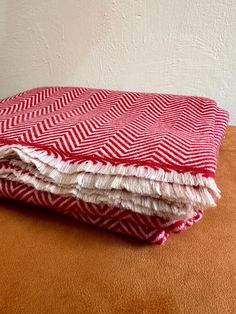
175,46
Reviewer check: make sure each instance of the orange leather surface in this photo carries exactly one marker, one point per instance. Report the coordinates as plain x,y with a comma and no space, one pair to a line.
52,264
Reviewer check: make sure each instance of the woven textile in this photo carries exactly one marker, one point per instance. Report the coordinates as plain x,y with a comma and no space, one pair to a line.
147,153
148,228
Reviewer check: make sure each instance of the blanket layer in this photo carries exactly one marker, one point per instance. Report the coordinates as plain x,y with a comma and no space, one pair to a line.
151,229
150,154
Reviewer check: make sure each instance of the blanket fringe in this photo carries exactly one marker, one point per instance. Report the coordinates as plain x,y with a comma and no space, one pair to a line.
171,185
132,186
46,164
170,211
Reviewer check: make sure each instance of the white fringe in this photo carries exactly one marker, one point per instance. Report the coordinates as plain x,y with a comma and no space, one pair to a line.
136,187
56,168
143,205
100,183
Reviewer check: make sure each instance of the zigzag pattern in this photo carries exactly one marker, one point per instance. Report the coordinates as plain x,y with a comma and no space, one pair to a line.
147,228
155,130
118,160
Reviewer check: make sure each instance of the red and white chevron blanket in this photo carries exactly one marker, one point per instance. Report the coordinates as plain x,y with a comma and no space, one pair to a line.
136,163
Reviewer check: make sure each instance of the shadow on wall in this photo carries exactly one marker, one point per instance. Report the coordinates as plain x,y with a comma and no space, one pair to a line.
45,42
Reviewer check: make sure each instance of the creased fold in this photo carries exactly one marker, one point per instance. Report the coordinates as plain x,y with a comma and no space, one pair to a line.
151,154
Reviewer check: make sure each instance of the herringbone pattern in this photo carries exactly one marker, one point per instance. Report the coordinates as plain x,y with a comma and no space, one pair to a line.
118,160
167,131
148,228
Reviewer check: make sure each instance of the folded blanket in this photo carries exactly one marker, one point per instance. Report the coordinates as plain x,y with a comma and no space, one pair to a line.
147,153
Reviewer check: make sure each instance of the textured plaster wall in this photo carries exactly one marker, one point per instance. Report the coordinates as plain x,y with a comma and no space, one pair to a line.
175,46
